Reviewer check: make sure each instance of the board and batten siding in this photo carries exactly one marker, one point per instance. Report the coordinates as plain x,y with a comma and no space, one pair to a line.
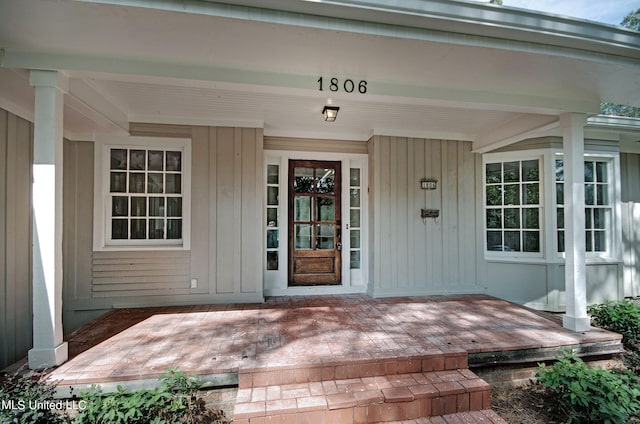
630,210
16,152
412,255
226,237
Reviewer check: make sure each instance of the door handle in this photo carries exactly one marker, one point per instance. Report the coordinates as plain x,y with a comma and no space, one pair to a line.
339,246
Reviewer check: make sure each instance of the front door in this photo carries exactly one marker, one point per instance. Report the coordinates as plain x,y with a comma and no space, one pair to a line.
314,223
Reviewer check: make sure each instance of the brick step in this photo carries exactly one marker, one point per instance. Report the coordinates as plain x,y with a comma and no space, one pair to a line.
345,368
383,398
486,416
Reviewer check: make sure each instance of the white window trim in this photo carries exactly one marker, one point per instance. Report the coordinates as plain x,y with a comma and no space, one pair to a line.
101,214
613,253
353,281
519,156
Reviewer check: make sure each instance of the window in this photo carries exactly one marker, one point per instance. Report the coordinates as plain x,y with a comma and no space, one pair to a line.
355,224
273,223
144,189
513,206
598,208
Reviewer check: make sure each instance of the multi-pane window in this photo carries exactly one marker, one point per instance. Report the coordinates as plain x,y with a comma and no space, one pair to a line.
273,224
355,223
145,195
597,204
513,206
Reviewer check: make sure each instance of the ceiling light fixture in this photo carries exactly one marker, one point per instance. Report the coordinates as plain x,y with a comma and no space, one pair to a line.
330,113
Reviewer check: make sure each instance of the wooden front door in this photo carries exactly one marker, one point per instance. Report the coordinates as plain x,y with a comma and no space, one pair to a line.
314,223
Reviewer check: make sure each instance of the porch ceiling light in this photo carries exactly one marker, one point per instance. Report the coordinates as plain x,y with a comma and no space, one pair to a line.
330,113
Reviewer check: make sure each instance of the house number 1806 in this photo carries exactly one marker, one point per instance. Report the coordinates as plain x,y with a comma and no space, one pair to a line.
347,86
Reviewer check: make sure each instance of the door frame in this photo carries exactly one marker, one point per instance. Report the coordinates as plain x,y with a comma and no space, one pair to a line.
353,281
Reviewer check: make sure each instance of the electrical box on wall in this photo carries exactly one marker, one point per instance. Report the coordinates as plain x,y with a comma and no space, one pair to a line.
429,213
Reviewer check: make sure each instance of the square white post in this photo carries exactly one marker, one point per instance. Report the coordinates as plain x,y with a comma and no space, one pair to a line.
576,317
49,349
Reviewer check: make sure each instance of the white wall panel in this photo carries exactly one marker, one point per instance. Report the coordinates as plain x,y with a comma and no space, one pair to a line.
414,255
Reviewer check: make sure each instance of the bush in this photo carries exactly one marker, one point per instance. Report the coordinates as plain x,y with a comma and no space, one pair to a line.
621,317
175,401
28,399
592,395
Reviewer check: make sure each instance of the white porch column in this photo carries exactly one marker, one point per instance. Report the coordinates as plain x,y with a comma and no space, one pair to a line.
48,347
576,317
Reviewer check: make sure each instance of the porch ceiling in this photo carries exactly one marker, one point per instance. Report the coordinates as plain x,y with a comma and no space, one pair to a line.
254,67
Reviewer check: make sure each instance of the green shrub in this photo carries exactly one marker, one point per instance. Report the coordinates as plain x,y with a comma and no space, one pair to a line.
175,401
592,395
28,399
621,317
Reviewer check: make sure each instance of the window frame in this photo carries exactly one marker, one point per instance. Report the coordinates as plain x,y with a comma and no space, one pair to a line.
102,205
613,229
521,156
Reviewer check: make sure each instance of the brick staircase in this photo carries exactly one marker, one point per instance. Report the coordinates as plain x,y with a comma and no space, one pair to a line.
437,385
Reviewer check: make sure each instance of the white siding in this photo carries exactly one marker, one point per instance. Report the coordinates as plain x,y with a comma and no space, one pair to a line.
16,150
630,184
412,255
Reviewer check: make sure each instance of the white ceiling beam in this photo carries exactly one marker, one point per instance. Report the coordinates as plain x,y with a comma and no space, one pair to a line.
93,105
521,128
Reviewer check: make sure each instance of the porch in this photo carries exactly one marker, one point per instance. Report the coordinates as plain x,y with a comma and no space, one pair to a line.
329,356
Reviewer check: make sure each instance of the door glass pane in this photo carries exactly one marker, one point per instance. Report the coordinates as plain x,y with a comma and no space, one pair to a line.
272,174
325,180
355,259
302,236
272,261
354,218
302,208
303,180
272,239
599,241
326,209
599,219
354,197
355,239
272,217
272,195
354,177
324,236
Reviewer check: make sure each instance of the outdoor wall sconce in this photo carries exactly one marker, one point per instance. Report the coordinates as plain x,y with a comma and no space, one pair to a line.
428,184
330,113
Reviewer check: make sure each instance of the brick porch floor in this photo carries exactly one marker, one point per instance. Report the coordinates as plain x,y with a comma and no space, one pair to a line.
412,349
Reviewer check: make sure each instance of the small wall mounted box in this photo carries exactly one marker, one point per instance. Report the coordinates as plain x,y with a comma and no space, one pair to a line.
429,213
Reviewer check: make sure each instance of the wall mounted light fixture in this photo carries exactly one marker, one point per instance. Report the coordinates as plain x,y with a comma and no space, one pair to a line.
428,184
330,113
